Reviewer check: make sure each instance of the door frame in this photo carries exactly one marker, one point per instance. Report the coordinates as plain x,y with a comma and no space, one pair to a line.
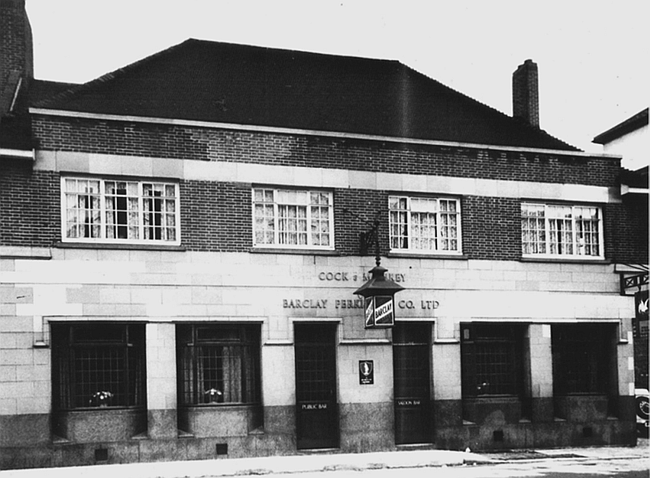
424,401
320,408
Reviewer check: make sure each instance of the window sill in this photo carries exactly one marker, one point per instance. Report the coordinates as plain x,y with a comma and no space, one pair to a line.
494,399
305,252
419,255
129,247
204,406
365,342
446,341
571,260
112,408
18,252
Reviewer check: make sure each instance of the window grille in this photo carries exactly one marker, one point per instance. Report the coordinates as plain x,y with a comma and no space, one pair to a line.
218,364
98,365
411,359
120,211
293,218
424,224
557,230
315,363
492,359
582,358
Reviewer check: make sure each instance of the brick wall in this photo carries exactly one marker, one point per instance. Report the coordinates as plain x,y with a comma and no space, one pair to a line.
30,213
216,216
355,211
201,144
626,230
491,228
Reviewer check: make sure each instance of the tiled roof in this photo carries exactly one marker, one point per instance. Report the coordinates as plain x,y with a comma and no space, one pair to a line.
633,123
40,90
635,179
228,83
15,126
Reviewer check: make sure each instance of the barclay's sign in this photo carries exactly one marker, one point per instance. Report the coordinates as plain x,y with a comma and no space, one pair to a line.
380,311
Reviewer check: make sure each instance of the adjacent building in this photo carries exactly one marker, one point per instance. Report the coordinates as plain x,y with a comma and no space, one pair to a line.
181,241
631,140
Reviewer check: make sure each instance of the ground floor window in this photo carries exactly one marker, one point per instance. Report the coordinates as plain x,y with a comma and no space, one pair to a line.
492,359
583,358
98,365
218,364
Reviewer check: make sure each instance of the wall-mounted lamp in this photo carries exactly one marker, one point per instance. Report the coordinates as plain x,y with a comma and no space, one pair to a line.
379,291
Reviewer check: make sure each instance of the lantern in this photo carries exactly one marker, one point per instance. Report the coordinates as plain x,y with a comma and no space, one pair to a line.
379,294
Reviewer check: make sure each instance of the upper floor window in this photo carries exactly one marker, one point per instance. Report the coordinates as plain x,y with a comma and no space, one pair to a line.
561,230
293,219
120,211
420,224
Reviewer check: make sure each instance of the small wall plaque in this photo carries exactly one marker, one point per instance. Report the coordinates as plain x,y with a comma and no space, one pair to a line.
366,372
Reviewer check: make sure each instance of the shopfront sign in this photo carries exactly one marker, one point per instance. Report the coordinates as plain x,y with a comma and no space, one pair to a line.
313,304
385,314
340,276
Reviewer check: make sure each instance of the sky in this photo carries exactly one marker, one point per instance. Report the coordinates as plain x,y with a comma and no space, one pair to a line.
592,55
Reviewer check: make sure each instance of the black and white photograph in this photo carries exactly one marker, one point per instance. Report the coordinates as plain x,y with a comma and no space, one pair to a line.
324,239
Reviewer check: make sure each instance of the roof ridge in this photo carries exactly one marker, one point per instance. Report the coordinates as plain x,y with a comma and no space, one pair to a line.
291,50
78,88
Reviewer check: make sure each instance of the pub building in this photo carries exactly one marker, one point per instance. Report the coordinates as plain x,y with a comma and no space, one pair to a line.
232,251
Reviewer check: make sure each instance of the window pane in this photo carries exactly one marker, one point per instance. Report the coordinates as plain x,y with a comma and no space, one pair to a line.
424,205
423,224
423,231
82,208
587,226
398,230
303,218
119,200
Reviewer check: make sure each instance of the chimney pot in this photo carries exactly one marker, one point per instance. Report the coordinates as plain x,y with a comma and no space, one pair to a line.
16,56
16,50
525,93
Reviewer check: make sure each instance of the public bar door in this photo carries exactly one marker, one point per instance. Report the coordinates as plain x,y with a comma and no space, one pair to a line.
317,407
411,375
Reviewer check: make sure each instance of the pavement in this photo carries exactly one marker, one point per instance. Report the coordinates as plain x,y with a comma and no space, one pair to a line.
315,462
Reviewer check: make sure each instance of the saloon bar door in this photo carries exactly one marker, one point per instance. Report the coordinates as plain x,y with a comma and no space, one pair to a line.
317,408
411,375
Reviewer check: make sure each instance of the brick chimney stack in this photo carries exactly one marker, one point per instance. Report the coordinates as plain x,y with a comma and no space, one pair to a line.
525,93
16,55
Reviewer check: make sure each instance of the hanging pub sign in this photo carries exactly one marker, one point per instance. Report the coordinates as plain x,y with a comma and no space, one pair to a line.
379,311
378,295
